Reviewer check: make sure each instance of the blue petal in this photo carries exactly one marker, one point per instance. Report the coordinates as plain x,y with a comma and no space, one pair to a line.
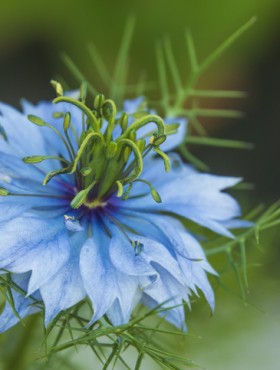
124,258
98,277
128,296
197,197
23,234
72,224
154,252
55,251
64,289
25,137
11,209
169,293
12,167
45,110
159,227
194,267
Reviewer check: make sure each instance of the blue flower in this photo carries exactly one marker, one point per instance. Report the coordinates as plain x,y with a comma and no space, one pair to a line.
90,207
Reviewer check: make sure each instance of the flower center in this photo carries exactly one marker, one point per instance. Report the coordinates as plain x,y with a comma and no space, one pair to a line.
107,157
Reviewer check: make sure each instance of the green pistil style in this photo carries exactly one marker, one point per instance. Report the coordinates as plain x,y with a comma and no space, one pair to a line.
103,164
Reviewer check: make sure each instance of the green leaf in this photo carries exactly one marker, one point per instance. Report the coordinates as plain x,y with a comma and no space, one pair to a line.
225,45
244,262
162,75
172,64
218,94
77,74
210,141
100,65
121,66
214,113
193,159
191,51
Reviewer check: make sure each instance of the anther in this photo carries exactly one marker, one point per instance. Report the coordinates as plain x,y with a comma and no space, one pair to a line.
124,121
98,102
120,189
67,121
36,120
81,197
3,192
153,191
165,158
58,87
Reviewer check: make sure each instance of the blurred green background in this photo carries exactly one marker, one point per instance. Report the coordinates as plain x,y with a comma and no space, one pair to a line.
34,33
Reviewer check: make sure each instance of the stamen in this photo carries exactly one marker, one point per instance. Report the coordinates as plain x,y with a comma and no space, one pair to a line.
54,173
83,97
39,122
66,125
58,87
92,135
72,128
109,111
81,197
141,143
103,165
4,193
98,102
151,118
39,158
156,140
127,192
124,121
165,158
144,153
153,191
91,117
120,189
138,158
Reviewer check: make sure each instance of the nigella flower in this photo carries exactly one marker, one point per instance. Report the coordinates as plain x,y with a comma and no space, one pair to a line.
90,207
